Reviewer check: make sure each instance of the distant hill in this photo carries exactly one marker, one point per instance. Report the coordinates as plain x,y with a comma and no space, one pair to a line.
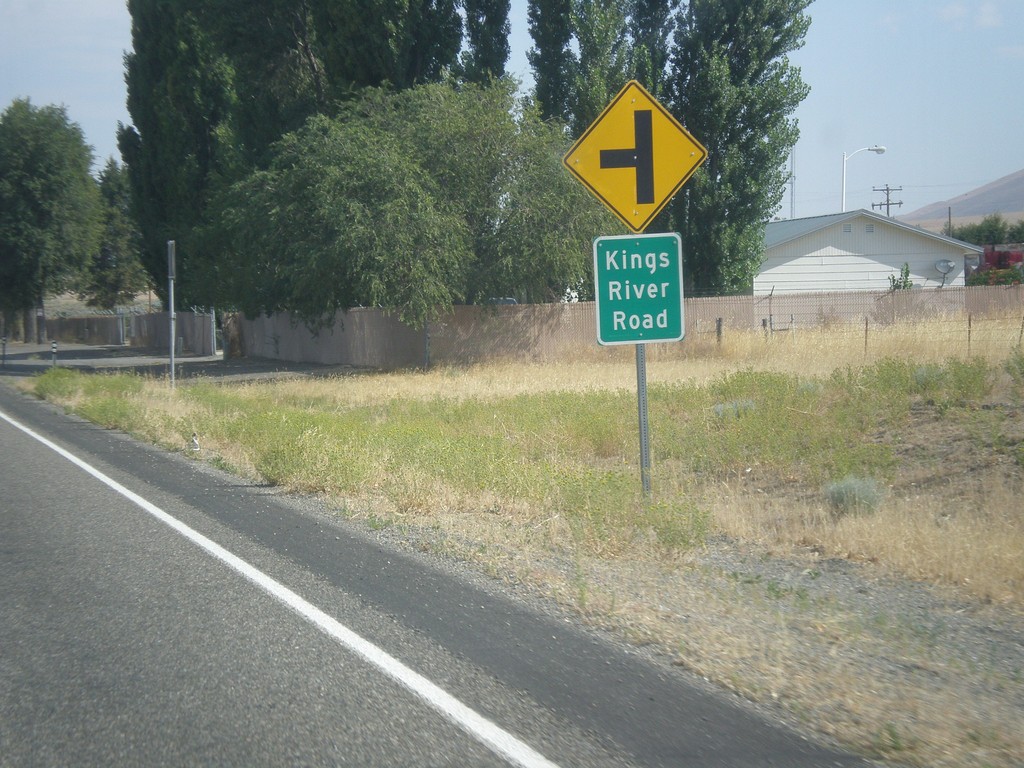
1004,196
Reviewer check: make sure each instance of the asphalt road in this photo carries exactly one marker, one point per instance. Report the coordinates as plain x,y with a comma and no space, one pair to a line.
261,630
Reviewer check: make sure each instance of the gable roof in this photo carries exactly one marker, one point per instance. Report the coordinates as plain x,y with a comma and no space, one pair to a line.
777,233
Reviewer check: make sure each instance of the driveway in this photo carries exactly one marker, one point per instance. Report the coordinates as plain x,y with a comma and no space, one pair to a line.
21,359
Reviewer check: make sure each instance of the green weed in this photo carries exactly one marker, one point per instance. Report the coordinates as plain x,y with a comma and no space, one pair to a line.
1014,366
58,383
890,739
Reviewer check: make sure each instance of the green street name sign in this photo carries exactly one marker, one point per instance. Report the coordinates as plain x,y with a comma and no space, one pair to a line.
639,288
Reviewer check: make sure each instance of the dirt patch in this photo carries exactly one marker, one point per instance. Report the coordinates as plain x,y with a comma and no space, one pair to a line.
958,457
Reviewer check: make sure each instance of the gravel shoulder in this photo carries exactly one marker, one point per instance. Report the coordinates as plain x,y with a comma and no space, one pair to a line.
899,671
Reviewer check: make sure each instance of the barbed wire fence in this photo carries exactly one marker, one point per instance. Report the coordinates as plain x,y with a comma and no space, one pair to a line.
961,319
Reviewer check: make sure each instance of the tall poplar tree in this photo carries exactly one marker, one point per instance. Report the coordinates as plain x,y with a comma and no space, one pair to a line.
275,60
487,31
114,274
182,101
602,66
651,24
550,24
735,90
394,43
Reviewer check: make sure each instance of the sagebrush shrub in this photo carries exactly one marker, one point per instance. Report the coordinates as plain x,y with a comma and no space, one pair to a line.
854,495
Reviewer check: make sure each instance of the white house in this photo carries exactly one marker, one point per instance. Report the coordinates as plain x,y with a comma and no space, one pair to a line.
857,251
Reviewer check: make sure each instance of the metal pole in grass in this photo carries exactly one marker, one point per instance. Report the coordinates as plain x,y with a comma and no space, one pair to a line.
641,405
968,334
865,336
1020,336
170,300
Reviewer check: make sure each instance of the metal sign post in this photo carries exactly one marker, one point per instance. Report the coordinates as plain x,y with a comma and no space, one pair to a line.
638,291
170,302
634,158
641,407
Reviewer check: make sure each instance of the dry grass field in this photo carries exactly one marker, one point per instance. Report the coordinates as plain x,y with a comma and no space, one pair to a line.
835,534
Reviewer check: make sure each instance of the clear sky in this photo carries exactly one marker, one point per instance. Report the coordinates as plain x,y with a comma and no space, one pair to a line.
937,82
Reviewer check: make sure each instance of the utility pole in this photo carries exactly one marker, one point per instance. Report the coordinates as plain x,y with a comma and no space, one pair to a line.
792,183
889,203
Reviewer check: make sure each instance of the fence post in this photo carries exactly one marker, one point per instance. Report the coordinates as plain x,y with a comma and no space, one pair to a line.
968,334
865,336
53,351
718,330
764,327
1020,336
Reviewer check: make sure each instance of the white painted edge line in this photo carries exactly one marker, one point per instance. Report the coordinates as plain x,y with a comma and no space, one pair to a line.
491,735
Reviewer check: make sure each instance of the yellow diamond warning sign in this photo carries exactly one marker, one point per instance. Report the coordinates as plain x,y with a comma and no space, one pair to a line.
635,156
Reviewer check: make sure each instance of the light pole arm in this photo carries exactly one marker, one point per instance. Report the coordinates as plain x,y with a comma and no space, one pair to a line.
877,149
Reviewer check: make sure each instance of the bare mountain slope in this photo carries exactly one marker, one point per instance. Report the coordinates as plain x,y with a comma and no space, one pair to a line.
1004,196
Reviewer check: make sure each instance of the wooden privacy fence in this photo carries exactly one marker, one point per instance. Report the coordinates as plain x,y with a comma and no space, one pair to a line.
549,332
196,331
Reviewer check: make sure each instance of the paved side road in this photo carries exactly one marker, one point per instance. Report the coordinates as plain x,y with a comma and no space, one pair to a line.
121,642
31,359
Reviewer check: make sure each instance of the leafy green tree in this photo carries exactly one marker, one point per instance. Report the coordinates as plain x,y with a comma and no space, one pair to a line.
213,84
496,161
343,217
586,50
49,206
115,274
551,58
548,224
487,32
1015,232
735,90
410,201
991,230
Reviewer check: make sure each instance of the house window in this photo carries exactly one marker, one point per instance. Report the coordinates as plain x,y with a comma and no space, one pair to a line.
847,227
869,228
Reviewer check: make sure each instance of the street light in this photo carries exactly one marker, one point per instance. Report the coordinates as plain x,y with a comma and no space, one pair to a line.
878,150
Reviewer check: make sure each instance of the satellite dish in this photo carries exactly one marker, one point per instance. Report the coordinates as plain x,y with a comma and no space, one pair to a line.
945,266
